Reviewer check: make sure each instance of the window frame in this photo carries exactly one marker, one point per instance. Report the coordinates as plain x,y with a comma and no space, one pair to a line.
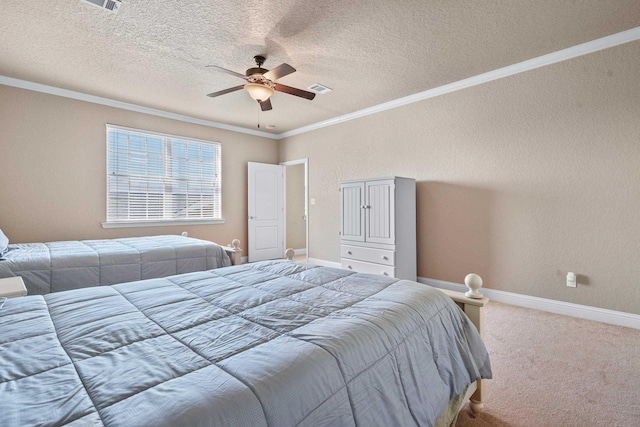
164,221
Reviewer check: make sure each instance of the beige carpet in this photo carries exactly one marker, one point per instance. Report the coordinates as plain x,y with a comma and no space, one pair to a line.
553,370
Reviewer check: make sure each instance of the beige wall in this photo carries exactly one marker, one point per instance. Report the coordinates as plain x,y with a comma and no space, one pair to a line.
520,180
296,225
52,169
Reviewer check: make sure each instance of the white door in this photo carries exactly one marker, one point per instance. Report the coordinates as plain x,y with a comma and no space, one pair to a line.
380,212
352,211
266,211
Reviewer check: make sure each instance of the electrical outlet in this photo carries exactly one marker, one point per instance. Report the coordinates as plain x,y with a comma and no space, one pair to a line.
571,280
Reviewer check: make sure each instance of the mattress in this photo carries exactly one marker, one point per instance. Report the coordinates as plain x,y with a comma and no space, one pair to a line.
274,343
59,266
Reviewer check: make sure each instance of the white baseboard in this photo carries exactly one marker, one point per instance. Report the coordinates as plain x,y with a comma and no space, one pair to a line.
597,314
604,315
245,259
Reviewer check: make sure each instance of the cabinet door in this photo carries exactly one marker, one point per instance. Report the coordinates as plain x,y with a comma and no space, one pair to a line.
352,211
380,211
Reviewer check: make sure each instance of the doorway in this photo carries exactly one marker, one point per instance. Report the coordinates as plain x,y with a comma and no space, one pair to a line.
297,208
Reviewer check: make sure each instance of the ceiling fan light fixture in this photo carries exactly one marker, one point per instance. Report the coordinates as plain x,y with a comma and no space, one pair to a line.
261,83
259,92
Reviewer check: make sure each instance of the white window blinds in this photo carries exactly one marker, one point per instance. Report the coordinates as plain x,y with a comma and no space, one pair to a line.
155,177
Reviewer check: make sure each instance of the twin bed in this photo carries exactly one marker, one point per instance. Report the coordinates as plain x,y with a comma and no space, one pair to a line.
274,343
60,266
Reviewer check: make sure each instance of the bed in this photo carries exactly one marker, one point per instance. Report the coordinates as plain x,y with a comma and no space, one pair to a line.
273,343
59,266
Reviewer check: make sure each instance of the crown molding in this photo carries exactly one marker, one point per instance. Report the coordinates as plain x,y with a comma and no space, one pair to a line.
52,90
613,40
510,70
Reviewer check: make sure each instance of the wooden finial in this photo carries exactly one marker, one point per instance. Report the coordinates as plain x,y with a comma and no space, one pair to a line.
473,282
289,253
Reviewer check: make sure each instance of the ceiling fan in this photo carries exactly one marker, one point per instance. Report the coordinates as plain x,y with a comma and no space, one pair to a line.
261,83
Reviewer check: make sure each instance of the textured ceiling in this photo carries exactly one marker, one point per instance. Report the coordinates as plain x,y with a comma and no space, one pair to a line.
153,53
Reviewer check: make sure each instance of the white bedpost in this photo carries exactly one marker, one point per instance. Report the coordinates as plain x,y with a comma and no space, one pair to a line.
234,252
472,303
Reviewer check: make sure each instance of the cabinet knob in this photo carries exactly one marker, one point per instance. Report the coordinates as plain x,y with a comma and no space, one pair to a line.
349,252
349,267
385,274
384,257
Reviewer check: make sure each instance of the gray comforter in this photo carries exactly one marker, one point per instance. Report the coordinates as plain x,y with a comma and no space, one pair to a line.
60,266
274,343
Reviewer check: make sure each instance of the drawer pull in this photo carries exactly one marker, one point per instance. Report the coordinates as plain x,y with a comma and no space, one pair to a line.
384,257
349,252
385,274
349,267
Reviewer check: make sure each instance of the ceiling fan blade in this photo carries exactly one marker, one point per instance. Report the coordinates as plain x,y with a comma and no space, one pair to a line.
222,92
280,71
293,91
266,105
224,70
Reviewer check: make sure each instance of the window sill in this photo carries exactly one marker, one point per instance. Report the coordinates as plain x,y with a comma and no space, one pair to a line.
127,224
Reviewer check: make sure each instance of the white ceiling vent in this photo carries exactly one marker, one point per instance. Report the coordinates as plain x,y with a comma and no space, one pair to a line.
110,5
318,88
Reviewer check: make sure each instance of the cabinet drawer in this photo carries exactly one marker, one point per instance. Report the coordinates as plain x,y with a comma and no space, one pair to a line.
368,267
378,256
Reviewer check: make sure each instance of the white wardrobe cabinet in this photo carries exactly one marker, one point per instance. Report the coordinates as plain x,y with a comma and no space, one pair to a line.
378,226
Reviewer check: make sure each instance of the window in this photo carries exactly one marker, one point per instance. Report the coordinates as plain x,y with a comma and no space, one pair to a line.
157,179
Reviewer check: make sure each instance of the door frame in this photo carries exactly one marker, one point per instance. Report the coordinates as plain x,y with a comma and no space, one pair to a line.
304,161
